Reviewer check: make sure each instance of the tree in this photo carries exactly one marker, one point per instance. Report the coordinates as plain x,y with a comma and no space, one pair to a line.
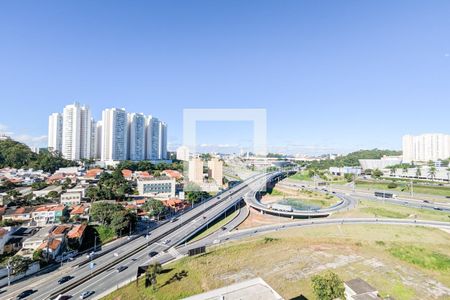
53,195
432,172
19,264
377,173
150,274
418,171
103,211
328,286
349,177
14,194
393,170
154,207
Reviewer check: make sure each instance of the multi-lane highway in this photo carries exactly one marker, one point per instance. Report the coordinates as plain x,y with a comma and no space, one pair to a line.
134,253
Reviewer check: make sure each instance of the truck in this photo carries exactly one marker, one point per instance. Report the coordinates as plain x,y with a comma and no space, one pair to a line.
385,195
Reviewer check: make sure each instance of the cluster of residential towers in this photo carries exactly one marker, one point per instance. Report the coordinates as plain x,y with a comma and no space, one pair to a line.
118,136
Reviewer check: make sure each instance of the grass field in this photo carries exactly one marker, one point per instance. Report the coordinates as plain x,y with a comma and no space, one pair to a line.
388,257
301,198
303,176
419,189
375,209
215,226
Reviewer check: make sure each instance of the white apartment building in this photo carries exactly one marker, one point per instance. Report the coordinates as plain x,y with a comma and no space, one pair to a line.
55,129
162,141
152,138
136,136
183,153
114,134
426,147
163,187
76,132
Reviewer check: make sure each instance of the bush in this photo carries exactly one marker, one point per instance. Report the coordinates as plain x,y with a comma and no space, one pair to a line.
392,185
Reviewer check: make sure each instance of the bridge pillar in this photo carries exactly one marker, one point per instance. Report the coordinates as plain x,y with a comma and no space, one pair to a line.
262,212
292,217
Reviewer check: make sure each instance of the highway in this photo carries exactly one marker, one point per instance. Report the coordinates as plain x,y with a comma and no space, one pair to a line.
413,203
162,238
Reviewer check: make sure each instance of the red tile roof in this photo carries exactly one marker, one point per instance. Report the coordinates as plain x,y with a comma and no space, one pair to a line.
54,244
77,231
93,172
60,229
127,173
77,210
173,174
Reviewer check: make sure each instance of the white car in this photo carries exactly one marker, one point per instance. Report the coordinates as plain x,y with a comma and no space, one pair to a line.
85,294
165,242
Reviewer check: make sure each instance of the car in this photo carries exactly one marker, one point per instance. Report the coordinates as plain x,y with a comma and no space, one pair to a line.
25,294
153,253
121,268
437,208
64,279
165,242
426,201
173,220
224,228
63,297
85,294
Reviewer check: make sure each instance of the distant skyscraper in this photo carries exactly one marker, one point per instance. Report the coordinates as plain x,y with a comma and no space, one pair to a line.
85,132
162,141
152,138
76,133
136,136
93,142
114,134
98,139
55,124
426,147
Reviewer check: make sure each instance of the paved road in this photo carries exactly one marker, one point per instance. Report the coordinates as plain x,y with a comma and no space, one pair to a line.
166,236
404,201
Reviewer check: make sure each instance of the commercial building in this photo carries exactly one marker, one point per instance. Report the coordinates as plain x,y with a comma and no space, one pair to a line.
381,163
162,187
55,129
71,198
195,170
136,134
345,170
215,170
426,147
114,134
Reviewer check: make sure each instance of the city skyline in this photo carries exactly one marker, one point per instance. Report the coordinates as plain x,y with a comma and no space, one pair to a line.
330,74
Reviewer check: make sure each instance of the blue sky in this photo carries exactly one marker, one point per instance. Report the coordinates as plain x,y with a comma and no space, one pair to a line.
334,76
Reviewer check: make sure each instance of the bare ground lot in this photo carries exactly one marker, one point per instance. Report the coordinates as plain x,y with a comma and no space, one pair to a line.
421,271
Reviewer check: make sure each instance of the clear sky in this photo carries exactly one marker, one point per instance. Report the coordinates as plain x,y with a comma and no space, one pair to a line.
334,76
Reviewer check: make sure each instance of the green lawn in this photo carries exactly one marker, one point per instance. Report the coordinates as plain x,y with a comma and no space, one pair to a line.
404,187
215,226
369,208
422,257
303,176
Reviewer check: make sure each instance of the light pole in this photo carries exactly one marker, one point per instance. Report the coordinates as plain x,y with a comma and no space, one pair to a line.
9,271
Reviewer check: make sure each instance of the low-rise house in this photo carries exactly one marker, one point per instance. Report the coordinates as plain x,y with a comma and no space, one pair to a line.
358,289
48,214
51,248
77,233
172,174
142,175
175,204
30,244
80,212
5,235
19,214
127,174
44,192
71,198
93,173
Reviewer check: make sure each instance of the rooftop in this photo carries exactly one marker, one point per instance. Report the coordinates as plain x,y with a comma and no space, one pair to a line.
246,290
359,286
77,231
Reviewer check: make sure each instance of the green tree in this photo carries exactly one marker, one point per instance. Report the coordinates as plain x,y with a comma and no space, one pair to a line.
102,212
418,171
432,172
53,195
377,173
14,194
19,264
154,207
328,286
151,273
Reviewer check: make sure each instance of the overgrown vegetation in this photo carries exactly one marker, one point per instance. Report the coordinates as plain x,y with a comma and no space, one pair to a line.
17,155
422,257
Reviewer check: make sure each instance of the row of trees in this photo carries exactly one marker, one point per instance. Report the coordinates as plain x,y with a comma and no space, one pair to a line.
146,165
17,155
